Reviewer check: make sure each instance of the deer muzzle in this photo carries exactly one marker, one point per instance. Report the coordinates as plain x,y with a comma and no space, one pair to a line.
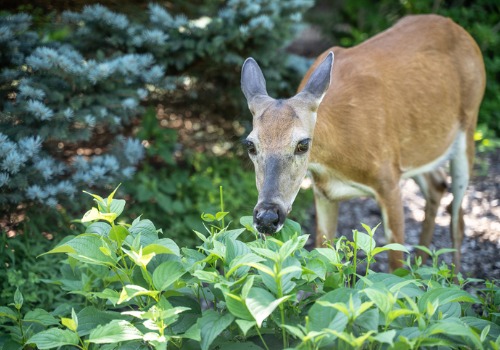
268,218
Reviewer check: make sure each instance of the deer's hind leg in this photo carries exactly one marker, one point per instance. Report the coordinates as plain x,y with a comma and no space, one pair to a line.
433,186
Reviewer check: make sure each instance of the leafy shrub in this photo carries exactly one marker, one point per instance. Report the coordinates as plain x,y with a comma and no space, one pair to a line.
143,291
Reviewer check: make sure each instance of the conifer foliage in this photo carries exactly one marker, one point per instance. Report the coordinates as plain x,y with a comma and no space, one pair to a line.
67,100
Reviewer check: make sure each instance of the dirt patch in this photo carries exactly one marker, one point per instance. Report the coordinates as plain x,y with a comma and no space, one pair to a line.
481,246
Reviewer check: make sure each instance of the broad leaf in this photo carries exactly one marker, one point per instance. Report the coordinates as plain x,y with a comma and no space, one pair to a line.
162,246
114,332
237,307
54,338
146,229
8,312
364,242
211,325
85,248
241,263
131,291
444,296
90,317
167,273
40,316
261,304
245,325
321,317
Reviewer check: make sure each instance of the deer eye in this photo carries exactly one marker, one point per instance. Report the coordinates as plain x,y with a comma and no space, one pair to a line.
302,146
250,147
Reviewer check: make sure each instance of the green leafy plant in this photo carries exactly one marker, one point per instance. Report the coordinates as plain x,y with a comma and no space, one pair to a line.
142,291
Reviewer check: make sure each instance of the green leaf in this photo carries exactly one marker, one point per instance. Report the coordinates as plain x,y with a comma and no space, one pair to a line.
287,283
147,231
444,251
94,214
211,325
323,317
90,317
241,261
261,267
111,295
118,233
314,268
261,304
207,276
18,299
290,229
329,254
267,253
114,332
237,307
207,217
480,324
380,298
8,312
245,325
386,337
456,327
40,316
235,249
54,338
85,248
220,215
99,227
131,291
69,323
364,242
99,200
291,246
167,273
109,200
162,246
424,249
396,246
117,206
444,296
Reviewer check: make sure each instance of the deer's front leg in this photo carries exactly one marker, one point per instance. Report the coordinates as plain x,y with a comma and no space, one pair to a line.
391,205
327,213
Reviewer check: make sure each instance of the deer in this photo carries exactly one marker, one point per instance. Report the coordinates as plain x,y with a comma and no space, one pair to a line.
399,105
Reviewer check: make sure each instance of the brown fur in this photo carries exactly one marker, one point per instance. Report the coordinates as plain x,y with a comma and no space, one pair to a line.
397,102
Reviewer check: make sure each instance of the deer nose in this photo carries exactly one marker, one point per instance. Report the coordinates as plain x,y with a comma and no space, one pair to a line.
268,217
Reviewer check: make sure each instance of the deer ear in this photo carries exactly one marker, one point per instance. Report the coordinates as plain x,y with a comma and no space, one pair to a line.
252,80
319,81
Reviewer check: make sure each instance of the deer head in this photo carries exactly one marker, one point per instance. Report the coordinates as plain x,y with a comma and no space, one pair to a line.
280,141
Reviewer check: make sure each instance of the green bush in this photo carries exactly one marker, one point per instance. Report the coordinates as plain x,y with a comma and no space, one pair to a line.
142,291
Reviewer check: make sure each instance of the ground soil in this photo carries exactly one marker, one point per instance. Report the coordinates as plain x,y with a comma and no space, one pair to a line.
481,246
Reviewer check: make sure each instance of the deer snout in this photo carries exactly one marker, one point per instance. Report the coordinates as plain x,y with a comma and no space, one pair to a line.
268,218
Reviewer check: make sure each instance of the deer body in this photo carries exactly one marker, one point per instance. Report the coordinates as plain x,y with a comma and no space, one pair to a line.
396,106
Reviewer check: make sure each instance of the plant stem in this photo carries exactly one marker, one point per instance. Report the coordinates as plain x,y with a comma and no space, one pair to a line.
222,205
355,260
261,338
282,309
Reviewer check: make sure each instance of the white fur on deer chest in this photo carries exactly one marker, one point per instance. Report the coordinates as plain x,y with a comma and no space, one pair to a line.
334,187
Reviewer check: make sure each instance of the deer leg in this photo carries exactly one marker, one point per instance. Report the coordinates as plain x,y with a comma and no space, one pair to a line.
433,186
327,213
460,167
391,205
